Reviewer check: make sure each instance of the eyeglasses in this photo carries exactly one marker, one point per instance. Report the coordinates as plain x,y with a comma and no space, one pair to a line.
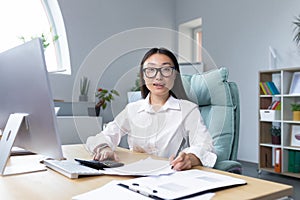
151,72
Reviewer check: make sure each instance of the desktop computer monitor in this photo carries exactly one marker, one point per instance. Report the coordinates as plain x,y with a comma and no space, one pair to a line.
25,90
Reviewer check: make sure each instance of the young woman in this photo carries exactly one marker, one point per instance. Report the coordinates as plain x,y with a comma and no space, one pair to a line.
162,123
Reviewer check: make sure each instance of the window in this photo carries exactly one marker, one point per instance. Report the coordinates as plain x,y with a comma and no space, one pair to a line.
190,41
23,20
197,36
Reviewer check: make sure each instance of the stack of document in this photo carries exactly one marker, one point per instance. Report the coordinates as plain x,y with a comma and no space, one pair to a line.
181,184
144,167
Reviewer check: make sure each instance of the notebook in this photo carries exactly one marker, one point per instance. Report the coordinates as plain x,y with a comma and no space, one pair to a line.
71,169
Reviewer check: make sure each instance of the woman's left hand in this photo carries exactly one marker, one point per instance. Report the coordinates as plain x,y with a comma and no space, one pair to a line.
184,161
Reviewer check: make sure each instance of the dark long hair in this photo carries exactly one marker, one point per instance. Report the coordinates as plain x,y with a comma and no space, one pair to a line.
177,91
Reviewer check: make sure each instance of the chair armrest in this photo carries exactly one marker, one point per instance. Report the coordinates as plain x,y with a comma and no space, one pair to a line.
229,166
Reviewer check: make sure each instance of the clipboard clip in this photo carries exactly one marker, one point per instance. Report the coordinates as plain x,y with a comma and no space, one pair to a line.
146,191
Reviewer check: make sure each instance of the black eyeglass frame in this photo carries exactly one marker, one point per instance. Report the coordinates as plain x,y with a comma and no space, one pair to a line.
158,70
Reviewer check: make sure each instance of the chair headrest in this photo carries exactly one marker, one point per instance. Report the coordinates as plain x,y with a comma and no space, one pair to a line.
208,88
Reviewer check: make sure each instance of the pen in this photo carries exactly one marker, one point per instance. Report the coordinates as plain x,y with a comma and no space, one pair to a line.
140,190
180,147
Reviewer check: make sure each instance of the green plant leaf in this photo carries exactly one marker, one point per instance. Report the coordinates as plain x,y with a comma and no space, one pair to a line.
105,96
115,92
84,85
275,130
295,107
297,30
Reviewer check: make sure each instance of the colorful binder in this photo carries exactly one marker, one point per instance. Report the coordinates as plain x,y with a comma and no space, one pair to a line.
272,87
291,162
297,162
262,88
267,88
277,167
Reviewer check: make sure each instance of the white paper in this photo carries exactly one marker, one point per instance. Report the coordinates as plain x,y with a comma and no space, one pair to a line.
28,168
145,167
111,191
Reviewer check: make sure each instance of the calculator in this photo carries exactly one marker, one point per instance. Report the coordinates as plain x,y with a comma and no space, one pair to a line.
95,164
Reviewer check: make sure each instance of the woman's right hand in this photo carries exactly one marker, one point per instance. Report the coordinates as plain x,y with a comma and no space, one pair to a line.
105,154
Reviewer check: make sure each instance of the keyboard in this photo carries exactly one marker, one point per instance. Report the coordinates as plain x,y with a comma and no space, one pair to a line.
71,169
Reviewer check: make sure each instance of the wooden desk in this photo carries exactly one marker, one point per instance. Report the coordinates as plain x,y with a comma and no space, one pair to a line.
51,185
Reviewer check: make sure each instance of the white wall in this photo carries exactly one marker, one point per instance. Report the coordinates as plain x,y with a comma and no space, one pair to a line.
106,39
237,34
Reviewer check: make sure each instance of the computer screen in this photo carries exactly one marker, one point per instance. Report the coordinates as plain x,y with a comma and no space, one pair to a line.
25,88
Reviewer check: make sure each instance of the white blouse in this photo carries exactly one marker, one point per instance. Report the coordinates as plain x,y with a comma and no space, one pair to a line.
159,132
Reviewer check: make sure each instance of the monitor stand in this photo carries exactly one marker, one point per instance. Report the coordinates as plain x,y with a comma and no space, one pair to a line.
13,126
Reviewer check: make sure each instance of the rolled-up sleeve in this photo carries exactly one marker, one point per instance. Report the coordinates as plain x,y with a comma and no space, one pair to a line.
201,144
111,135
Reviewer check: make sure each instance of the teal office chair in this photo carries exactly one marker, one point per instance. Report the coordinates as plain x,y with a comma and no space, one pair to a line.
218,102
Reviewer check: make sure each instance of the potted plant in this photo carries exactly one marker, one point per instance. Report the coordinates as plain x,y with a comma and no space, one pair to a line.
297,30
44,37
276,134
84,87
104,96
295,107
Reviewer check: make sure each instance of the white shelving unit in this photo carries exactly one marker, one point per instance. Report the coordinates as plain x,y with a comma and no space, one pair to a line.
282,79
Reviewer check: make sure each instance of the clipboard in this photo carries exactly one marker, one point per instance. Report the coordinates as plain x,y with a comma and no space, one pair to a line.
181,184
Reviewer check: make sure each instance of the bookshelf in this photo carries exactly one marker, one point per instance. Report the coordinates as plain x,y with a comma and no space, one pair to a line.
268,161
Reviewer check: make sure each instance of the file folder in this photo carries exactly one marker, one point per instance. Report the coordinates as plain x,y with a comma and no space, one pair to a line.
181,184
277,167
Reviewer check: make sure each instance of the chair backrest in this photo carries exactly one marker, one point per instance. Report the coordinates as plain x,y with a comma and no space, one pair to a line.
236,103
218,102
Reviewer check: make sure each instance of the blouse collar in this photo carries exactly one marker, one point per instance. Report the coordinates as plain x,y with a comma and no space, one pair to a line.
171,103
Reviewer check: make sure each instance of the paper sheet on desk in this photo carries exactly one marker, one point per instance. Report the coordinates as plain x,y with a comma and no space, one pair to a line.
145,167
112,191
